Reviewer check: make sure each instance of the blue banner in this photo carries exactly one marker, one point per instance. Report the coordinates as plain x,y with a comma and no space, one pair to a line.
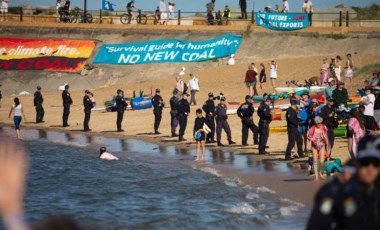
168,51
107,5
282,21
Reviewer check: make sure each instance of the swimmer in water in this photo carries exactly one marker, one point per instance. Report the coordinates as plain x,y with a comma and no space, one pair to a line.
104,155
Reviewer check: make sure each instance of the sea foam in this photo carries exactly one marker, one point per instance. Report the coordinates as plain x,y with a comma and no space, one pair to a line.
263,189
242,208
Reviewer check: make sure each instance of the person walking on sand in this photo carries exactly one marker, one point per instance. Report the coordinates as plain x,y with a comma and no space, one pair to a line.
318,138
349,70
193,85
104,155
183,113
324,72
209,108
158,105
38,100
263,76
221,122
18,114
273,73
180,86
199,135
67,102
251,80
88,105
121,105
174,112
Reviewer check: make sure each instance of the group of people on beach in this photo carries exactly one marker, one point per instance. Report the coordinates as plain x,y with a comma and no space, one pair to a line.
253,76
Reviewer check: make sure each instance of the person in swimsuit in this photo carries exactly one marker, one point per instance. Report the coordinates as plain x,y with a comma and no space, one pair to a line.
104,155
319,144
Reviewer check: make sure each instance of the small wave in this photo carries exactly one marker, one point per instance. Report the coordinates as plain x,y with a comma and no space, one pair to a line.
232,182
295,203
288,211
261,207
211,171
265,190
75,144
252,196
242,208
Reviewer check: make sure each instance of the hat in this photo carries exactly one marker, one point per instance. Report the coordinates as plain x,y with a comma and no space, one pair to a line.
331,79
367,88
248,97
232,55
293,102
87,91
376,72
268,98
376,88
38,87
349,166
210,94
331,99
183,68
67,86
158,90
305,93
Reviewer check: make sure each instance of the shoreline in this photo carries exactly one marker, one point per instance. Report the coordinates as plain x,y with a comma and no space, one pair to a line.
288,179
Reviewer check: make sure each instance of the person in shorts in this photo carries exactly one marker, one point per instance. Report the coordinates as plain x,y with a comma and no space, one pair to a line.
273,73
199,135
4,10
304,113
349,72
251,79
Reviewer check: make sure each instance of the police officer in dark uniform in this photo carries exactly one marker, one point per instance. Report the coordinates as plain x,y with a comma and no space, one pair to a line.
67,102
88,105
245,112
328,113
292,128
158,104
38,100
221,122
183,112
358,206
324,212
174,112
209,109
265,115
121,105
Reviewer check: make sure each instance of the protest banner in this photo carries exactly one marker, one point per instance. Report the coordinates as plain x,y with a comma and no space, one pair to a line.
168,51
44,54
282,21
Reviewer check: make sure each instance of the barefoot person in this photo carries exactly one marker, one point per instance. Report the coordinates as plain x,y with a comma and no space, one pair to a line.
104,155
318,138
349,70
273,73
263,76
18,113
199,135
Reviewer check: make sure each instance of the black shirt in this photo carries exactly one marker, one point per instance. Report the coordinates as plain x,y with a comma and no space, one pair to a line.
264,112
157,102
38,99
121,104
245,110
327,120
291,118
221,112
377,102
198,124
173,103
183,107
209,107
87,103
66,98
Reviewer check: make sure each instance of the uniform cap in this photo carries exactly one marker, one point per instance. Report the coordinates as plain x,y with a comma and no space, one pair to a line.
87,91
158,90
331,79
38,87
210,94
367,88
248,97
331,99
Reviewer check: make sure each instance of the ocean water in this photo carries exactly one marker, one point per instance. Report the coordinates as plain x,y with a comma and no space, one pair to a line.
151,187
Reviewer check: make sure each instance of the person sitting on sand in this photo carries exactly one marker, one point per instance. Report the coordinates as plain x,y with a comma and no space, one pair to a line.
318,138
104,155
200,135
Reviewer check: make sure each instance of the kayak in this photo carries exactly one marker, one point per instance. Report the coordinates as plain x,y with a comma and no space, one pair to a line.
341,131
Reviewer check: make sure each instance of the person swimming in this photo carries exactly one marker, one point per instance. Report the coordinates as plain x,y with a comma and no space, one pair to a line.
104,155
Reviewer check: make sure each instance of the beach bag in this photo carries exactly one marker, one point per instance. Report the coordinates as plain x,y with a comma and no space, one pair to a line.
206,129
197,136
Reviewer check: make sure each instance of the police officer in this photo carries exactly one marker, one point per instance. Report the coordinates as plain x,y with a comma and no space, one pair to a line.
323,215
358,206
38,100
67,102
174,112
158,104
88,105
221,122
121,105
183,112
209,109
265,115
292,128
328,113
245,112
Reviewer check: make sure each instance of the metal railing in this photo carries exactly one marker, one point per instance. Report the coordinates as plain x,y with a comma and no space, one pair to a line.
340,19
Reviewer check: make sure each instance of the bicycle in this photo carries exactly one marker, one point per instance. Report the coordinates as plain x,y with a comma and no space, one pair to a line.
140,19
78,16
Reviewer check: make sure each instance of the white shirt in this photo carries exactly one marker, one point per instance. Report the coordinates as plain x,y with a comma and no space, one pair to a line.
273,71
162,6
108,156
17,110
171,8
286,8
369,109
231,61
182,73
307,7
4,4
194,84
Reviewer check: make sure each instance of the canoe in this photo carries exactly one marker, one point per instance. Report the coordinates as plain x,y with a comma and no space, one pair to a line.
341,131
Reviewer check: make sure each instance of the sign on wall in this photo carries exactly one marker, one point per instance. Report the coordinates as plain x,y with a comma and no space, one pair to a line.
282,21
168,51
44,54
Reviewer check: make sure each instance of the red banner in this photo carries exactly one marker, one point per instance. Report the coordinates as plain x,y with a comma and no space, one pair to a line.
44,54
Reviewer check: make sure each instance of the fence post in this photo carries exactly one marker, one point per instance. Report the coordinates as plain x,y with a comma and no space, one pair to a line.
21,14
139,17
253,17
179,17
347,19
100,17
340,18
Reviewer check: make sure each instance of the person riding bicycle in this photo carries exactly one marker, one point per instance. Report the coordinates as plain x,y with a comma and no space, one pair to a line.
210,12
130,6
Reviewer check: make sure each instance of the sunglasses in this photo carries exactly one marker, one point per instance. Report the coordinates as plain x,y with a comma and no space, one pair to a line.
369,161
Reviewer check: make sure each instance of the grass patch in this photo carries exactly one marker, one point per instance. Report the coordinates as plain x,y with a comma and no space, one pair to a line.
367,70
337,36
